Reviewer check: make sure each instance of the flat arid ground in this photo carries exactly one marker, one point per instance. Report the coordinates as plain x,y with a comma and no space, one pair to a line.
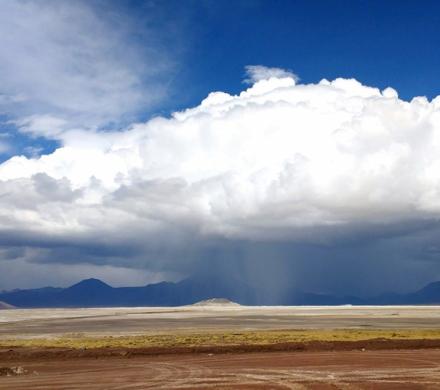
221,347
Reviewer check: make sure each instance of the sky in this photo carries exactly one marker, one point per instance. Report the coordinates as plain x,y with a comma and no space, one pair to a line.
285,143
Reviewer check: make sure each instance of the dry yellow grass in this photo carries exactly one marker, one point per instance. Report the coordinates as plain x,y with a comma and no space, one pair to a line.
222,338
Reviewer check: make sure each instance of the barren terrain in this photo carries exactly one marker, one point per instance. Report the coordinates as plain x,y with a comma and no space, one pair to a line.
130,321
221,347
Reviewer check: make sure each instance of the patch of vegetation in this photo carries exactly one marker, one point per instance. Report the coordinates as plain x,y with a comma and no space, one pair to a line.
223,338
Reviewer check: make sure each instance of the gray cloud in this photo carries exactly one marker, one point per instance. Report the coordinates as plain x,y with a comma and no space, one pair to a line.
331,185
255,73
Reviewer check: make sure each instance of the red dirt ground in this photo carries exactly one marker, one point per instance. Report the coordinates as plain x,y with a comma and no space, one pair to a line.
311,369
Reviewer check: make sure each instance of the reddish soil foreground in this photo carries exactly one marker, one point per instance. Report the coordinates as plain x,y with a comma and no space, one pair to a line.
310,369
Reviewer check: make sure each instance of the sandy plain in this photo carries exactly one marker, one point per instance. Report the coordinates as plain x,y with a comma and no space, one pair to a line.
345,347
25,323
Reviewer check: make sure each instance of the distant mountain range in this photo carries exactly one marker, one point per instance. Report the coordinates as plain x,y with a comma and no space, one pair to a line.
95,293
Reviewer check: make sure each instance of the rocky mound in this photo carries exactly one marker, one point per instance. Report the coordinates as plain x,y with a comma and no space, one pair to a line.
12,371
4,305
216,302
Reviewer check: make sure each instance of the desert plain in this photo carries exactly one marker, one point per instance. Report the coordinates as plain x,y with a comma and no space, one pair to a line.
221,346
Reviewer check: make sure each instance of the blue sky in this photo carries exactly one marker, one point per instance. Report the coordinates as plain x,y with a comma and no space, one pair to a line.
381,44
116,164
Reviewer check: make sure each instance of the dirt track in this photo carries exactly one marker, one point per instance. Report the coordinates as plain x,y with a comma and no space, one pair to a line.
387,369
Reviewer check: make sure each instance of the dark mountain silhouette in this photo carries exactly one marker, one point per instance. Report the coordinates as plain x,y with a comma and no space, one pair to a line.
429,295
95,293
40,297
89,285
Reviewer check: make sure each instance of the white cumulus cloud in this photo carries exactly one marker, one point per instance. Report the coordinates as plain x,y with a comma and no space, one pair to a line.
268,163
